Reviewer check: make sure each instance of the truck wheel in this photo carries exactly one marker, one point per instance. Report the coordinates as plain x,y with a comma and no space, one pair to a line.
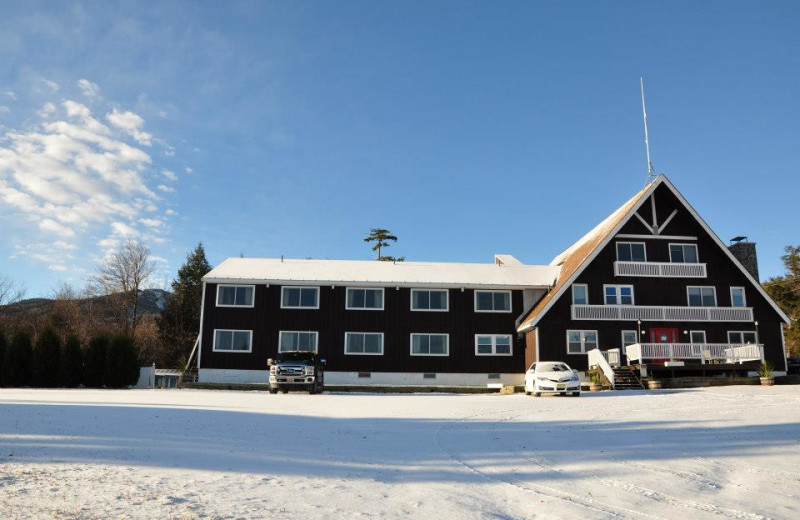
312,389
273,391
285,390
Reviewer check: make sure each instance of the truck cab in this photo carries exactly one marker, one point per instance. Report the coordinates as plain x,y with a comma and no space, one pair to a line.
296,370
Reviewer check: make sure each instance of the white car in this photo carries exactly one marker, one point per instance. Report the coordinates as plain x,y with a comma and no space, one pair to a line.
552,377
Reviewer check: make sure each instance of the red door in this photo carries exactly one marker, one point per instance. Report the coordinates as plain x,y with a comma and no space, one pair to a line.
664,335
669,335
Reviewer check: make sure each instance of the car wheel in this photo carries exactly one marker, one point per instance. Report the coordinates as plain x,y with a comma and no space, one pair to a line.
285,390
527,392
537,394
564,394
576,394
273,391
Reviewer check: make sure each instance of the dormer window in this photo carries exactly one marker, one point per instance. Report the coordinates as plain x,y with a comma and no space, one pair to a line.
631,252
683,253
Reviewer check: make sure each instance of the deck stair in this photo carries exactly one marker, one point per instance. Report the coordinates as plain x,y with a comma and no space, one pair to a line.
626,378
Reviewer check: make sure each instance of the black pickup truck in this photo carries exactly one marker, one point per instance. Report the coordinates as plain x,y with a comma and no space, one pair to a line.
296,369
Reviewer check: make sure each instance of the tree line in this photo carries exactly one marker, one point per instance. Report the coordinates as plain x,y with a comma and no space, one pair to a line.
785,290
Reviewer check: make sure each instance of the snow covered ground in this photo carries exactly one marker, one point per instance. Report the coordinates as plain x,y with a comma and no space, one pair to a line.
729,452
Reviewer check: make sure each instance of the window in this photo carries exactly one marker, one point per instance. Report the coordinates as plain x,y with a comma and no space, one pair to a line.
629,337
492,345
697,336
233,340
581,341
492,301
291,340
299,297
742,337
631,252
364,299
702,296
235,295
580,294
683,253
430,344
429,300
364,343
737,297
618,294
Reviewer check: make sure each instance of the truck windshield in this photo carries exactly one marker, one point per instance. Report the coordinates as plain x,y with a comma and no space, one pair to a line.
295,356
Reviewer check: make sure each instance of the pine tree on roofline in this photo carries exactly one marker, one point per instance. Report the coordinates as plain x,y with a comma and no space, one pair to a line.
381,237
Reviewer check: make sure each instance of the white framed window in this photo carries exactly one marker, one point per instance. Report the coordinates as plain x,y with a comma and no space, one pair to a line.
235,295
493,345
631,252
737,297
742,337
363,343
492,301
683,253
364,299
430,344
435,300
229,340
618,294
289,340
701,296
580,294
299,297
581,341
629,337
697,336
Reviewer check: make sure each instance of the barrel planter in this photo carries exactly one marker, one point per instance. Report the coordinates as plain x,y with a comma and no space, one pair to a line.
654,384
767,381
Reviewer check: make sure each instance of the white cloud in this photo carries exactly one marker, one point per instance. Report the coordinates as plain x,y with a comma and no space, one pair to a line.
152,222
73,176
4,109
124,230
169,151
170,212
88,88
52,85
11,94
166,189
188,170
47,110
131,124
60,268
169,175
60,244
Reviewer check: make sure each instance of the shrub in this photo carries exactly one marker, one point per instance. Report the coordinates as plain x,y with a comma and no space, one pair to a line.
16,365
95,361
44,362
70,364
122,363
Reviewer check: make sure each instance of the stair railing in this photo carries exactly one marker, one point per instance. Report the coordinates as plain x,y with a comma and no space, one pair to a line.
597,359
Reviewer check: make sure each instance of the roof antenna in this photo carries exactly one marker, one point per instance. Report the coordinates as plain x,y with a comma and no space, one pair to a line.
650,173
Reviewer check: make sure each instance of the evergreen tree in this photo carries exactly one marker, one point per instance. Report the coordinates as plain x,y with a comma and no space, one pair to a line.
122,363
70,364
785,290
16,365
44,361
179,322
381,237
2,354
95,361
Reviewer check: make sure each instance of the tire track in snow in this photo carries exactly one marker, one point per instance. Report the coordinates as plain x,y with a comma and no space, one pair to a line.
539,489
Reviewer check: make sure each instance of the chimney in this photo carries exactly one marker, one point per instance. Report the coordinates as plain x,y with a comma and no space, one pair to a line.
745,253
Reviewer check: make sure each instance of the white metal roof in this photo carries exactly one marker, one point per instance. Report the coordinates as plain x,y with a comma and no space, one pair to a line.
383,274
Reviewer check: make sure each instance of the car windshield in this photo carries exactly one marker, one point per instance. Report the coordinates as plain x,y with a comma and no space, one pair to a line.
552,367
295,356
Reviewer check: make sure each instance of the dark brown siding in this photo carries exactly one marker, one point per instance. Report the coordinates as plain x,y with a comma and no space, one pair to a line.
396,321
530,348
722,273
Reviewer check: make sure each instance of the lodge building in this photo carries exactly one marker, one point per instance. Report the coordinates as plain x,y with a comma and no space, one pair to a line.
651,286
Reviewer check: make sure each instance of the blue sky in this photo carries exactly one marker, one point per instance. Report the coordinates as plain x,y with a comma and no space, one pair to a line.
467,128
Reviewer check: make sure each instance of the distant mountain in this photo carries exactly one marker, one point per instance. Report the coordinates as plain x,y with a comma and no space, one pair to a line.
152,301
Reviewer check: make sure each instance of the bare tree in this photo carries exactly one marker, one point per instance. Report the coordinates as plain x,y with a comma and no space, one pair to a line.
121,277
10,291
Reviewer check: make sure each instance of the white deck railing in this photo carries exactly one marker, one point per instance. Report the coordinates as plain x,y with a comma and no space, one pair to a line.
706,352
660,269
652,313
597,358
